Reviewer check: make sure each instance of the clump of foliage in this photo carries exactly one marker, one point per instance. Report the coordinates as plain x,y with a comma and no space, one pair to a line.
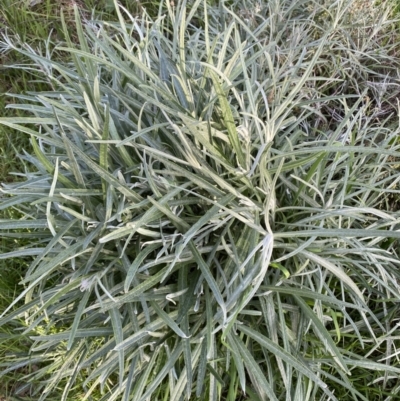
209,206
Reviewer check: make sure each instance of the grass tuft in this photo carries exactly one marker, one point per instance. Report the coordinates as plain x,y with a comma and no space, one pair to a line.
208,205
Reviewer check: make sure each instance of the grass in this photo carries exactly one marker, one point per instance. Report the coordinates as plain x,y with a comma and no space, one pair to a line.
208,205
34,25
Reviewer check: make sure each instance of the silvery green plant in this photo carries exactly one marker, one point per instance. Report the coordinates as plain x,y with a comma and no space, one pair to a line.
208,206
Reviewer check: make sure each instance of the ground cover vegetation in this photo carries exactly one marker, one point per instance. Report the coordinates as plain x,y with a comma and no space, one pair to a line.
207,205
